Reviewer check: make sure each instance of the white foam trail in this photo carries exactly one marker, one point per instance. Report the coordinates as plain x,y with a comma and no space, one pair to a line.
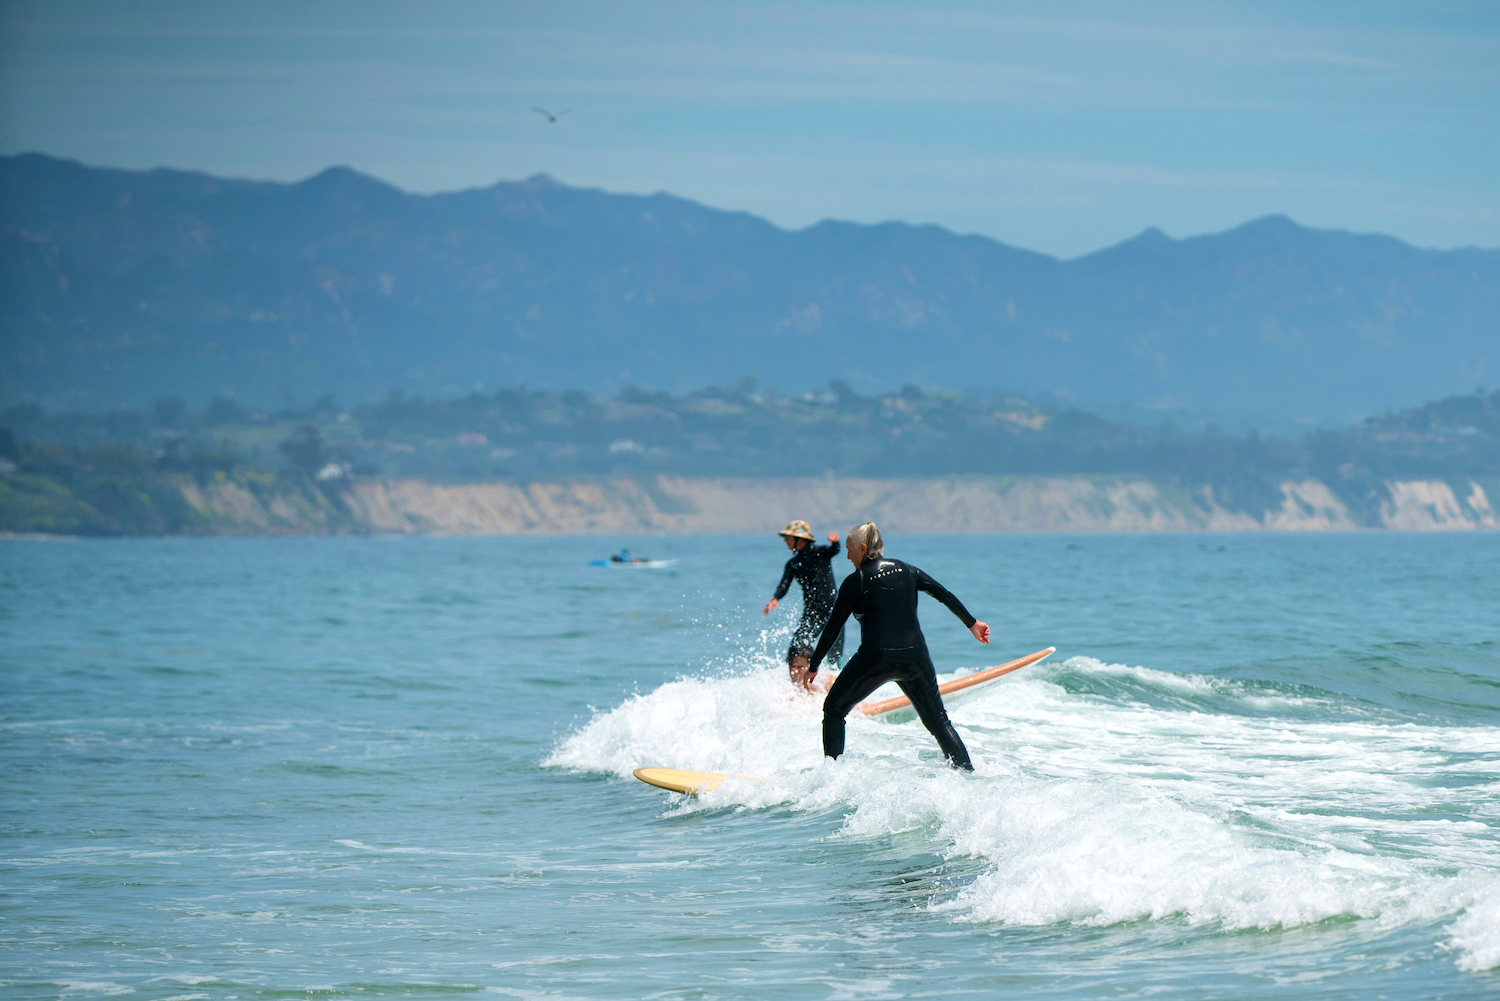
1094,811
105,987
1476,934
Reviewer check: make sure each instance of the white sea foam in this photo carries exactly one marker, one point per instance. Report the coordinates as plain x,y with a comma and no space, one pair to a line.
1095,811
106,987
349,843
1476,934
1185,685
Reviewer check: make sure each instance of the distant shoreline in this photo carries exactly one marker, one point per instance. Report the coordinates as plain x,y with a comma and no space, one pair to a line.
681,505
673,505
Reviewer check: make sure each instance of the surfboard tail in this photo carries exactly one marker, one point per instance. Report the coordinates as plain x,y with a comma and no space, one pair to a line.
691,783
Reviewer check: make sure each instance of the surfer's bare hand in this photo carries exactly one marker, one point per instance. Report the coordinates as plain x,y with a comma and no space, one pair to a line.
769,606
803,678
981,632
833,536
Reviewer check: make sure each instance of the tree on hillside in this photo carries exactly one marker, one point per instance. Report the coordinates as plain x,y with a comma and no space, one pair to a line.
305,449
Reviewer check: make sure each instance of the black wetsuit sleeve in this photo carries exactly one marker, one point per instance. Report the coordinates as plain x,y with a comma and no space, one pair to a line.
941,593
848,595
786,579
827,552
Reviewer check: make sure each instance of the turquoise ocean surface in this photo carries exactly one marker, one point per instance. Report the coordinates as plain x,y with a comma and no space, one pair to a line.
1258,766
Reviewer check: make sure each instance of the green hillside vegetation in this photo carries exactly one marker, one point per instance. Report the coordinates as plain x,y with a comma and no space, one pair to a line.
122,472
122,489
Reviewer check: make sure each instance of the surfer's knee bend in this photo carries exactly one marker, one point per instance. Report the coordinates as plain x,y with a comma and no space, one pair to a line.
834,712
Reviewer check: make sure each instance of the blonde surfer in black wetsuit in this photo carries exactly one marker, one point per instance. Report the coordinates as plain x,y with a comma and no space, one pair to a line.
812,567
882,595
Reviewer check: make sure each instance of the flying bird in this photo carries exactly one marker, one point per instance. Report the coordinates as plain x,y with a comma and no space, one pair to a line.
549,115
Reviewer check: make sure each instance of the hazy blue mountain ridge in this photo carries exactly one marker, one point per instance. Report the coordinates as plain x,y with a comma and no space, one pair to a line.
119,287
1338,314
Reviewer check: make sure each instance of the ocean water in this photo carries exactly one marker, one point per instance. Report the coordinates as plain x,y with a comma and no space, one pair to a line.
1258,766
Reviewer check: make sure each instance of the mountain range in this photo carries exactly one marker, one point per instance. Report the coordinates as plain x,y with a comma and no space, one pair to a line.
118,287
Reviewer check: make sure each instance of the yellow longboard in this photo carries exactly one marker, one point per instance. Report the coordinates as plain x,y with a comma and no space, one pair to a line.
691,783
958,684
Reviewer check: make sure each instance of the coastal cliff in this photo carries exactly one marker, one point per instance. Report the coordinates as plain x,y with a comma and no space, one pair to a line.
952,504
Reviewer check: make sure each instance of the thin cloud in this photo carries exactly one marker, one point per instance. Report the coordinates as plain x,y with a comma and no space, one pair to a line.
1335,59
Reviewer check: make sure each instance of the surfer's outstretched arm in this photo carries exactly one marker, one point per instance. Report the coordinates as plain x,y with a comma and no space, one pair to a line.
950,601
782,588
787,576
848,595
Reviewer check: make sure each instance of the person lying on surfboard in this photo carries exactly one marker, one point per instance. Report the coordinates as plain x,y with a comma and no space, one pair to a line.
882,595
812,567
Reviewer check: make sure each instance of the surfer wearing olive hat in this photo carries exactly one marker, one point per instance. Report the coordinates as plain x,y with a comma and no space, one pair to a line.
812,567
882,594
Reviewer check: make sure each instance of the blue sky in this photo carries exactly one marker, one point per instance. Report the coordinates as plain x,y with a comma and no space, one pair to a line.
1062,127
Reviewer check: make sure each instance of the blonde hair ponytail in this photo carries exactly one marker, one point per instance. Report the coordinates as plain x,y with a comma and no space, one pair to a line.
870,536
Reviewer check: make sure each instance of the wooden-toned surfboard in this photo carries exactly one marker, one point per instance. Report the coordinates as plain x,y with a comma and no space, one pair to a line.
693,783
957,684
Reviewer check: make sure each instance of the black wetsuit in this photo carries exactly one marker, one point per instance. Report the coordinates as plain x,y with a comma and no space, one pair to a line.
882,595
812,567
